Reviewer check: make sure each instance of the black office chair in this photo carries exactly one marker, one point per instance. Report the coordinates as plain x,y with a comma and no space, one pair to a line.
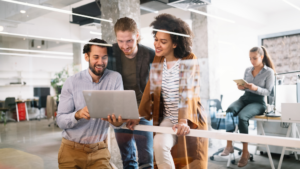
221,126
215,104
42,93
10,104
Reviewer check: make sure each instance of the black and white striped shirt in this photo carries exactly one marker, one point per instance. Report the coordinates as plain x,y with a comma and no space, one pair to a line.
170,91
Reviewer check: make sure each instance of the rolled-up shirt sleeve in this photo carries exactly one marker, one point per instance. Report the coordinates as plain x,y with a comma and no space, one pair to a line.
269,85
66,108
268,80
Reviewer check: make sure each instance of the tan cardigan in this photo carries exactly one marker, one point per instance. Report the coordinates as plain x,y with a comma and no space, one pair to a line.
188,150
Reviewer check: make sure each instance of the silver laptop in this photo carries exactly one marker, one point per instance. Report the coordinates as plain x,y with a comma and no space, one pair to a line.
101,103
290,111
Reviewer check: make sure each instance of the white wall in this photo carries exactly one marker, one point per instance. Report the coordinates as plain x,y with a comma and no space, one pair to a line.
252,19
35,71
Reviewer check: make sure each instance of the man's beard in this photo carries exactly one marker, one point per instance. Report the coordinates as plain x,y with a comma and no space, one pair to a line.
92,68
131,51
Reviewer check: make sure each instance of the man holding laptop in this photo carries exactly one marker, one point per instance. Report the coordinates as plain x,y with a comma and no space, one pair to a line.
83,144
132,60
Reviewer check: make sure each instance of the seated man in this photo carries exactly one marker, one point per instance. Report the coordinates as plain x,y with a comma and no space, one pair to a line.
83,144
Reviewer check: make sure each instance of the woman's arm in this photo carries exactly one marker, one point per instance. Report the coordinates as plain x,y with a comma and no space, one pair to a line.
269,85
260,90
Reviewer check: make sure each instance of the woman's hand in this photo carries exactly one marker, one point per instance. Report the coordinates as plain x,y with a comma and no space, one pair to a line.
182,128
131,123
251,86
240,87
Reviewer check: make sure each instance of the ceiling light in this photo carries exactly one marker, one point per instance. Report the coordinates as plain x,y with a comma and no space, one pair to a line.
292,4
95,33
23,11
38,47
206,14
38,56
54,39
54,9
1,28
36,51
147,9
79,41
173,33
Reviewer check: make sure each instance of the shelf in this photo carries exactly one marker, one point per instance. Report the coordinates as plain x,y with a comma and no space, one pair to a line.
42,78
12,85
10,78
25,85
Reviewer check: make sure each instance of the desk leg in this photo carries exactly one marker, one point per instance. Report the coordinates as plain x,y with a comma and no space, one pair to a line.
267,146
294,135
17,112
283,148
297,132
26,110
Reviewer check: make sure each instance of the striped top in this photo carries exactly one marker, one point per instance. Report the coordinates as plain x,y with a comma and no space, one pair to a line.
170,91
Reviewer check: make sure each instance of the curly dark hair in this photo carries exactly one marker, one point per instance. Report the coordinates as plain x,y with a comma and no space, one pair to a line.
87,47
173,24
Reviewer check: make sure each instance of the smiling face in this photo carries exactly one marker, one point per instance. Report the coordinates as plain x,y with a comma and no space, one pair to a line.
163,44
256,59
97,59
127,41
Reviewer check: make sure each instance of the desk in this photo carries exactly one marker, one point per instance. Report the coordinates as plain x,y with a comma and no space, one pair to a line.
292,129
260,120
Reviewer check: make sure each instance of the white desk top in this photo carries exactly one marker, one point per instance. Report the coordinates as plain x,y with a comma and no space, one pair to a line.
261,118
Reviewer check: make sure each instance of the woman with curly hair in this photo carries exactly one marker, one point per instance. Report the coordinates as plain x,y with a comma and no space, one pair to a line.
174,100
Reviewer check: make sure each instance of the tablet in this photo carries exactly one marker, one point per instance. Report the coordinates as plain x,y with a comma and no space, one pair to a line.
102,103
241,82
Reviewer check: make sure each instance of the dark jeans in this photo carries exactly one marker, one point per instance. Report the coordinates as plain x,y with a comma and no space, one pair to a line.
144,142
248,106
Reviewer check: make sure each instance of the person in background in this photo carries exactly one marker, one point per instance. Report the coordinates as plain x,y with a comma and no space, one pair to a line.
260,78
171,97
132,60
83,144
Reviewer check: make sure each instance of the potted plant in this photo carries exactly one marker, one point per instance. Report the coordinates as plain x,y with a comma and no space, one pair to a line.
58,81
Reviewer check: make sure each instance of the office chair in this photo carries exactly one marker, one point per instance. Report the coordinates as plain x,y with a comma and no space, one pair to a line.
215,103
42,93
33,106
51,109
10,105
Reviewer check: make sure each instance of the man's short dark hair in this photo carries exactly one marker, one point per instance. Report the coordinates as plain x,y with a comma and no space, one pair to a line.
87,47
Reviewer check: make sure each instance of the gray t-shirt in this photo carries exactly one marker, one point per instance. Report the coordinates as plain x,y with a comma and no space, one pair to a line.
129,76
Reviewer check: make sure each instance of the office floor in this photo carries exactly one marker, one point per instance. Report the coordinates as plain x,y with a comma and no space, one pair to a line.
34,140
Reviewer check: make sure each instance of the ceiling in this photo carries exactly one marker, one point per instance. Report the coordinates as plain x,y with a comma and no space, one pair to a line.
264,6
